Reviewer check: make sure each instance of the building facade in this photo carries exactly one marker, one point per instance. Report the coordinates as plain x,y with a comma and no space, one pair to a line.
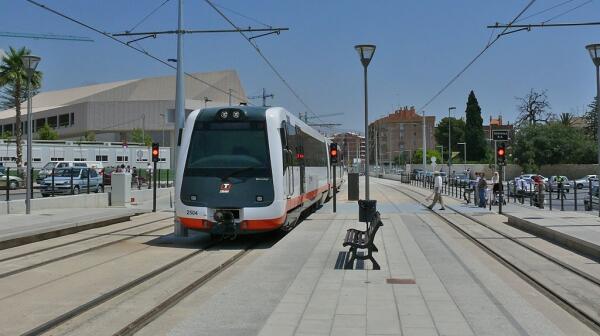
113,110
399,134
352,146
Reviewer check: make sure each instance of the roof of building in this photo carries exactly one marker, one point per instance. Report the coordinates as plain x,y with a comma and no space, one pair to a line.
404,114
143,89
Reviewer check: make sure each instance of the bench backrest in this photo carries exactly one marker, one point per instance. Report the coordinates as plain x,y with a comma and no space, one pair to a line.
374,227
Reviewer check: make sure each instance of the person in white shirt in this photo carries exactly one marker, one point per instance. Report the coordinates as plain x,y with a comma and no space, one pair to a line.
437,189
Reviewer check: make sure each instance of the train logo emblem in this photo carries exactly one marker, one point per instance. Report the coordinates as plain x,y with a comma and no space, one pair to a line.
225,188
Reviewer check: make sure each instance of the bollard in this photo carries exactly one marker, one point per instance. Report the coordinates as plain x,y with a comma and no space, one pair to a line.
7,184
562,198
149,180
88,180
31,182
530,193
591,205
72,188
52,182
168,170
550,199
575,197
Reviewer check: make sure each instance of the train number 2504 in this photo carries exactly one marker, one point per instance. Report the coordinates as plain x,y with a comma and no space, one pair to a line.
192,212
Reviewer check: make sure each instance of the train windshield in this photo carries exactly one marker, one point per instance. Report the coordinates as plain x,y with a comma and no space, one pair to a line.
227,149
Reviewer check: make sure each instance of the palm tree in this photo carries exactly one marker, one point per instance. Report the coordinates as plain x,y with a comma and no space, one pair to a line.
13,81
566,119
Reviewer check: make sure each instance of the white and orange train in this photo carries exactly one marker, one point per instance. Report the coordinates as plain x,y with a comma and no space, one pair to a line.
250,169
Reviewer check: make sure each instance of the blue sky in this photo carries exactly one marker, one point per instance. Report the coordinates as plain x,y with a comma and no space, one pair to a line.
420,46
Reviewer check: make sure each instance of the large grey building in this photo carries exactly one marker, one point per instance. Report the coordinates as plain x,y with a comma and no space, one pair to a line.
113,110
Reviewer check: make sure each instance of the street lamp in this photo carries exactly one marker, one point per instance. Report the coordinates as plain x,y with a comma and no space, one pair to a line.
594,50
30,62
464,152
365,52
450,138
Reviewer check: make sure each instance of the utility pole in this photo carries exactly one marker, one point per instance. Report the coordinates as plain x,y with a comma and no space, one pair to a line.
230,96
180,231
424,144
264,97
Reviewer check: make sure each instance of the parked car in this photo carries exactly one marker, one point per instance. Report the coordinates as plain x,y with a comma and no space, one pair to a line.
552,185
2,168
14,182
47,169
62,182
584,182
461,180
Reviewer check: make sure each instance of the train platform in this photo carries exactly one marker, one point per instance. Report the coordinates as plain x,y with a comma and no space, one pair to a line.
19,229
576,230
432,281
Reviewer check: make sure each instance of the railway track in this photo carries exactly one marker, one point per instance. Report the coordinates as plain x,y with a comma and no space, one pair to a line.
172,267
569,294
82,251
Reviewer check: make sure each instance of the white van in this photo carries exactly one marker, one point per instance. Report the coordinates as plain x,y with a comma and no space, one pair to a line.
47,169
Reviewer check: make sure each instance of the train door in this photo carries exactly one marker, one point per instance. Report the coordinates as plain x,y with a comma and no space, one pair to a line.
288,161
300,151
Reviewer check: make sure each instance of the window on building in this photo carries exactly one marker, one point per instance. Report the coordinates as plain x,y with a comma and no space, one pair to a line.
121,158
57,159
39,123
72,120
8,128
102,158
79,159
63,120
53,121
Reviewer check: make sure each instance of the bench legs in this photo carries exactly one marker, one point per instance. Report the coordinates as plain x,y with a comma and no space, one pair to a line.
369,256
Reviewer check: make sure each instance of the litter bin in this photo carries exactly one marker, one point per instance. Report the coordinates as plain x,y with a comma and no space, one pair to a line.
353,190
366,210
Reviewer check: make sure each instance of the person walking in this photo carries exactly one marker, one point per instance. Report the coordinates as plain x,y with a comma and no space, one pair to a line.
560,192
495,186
437,189
476,189
482,186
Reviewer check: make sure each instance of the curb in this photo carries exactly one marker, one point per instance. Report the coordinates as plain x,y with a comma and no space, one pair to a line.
63,231
559,238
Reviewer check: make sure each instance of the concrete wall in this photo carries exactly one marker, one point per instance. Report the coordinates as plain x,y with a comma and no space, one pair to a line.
511,169
77,201
572,171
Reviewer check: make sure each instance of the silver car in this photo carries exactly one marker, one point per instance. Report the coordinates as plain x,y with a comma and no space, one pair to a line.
584,182
62,182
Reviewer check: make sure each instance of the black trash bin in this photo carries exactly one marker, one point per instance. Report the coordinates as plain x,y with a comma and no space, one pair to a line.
353,189
366,210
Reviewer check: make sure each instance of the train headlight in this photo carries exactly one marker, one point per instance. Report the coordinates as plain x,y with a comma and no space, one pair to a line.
235,114
224,114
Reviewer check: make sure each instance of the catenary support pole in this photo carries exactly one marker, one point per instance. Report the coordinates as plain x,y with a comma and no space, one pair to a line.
179,230
154,171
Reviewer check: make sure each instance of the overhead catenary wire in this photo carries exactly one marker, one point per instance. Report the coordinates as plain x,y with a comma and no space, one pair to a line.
143,52
488,46
242,15
545,10
148,15
267,61
567,11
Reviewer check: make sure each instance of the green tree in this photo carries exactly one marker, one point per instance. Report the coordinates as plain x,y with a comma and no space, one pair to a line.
418,156
90,136
552,143
566,119
138,135
474,135
13,80
5,135
591,119
458,134
47,133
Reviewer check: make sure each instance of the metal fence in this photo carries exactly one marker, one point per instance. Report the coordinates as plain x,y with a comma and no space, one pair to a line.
13,182
540,195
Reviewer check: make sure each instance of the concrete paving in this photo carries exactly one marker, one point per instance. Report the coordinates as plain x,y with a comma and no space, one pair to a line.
577,230
447,285
18,229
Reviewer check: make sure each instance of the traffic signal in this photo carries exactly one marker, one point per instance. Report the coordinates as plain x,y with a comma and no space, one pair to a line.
501,154
333,153
155,152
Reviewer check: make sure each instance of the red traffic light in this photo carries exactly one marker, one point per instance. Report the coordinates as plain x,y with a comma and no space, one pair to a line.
155,152
501,152
334,152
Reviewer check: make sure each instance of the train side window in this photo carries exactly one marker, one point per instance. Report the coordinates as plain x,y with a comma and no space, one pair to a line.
285,153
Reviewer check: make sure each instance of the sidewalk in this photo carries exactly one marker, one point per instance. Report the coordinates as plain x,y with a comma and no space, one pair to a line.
19,229
430,283
577,230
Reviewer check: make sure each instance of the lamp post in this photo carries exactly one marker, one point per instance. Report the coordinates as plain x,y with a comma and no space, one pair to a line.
464,152
450,138
594,50
442,147
30,62
424,143
366,51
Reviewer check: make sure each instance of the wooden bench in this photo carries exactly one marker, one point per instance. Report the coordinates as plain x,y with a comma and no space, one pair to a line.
357,239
